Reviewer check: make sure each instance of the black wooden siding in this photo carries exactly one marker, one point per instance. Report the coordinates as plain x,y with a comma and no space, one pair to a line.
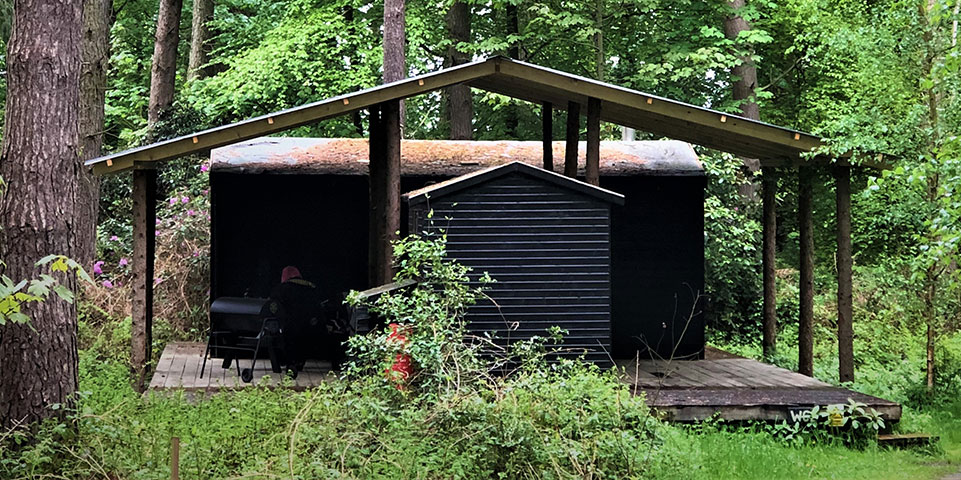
547,247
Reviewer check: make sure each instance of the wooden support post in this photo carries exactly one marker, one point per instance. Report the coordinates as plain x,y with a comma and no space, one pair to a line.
144,239
806,234
384,178
573,133
547,134
842,177
592,169
769,319
175,458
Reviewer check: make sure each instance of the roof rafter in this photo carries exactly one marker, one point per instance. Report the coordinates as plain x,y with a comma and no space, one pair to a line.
773,145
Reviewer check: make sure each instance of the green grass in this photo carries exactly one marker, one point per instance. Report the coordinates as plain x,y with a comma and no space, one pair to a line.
746,456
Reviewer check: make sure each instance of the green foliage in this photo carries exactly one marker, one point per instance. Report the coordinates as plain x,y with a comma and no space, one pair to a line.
852,424
732,238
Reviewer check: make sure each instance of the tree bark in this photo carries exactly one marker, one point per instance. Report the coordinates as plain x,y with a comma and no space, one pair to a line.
163,70
203,13
806,303
460,104
845,264
592,165
745,72
98,17
745,81
41,209
769,319
395,47
573,134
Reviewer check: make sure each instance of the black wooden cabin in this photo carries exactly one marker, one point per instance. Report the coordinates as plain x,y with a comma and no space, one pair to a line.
304,202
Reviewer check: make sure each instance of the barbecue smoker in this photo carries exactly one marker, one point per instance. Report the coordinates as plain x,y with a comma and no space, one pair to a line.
241,327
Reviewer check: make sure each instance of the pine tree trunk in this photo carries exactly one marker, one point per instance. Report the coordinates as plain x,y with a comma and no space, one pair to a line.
460,104
41,209
395,47
98,17
163,71
203,13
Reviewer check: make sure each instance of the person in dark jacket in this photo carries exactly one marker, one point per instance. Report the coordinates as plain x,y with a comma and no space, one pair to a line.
302,318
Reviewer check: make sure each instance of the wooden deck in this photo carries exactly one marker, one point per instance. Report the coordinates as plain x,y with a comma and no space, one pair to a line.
737,389
179,367
682,390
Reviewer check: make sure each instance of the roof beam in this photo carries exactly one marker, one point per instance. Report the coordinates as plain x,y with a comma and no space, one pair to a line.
287,119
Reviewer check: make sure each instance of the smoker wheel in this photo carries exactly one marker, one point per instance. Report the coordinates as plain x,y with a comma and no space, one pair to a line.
246,375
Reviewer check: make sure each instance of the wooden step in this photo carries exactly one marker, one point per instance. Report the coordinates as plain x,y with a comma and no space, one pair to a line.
906,440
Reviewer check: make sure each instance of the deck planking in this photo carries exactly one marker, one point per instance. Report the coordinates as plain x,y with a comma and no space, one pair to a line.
732,387
736,388
180,365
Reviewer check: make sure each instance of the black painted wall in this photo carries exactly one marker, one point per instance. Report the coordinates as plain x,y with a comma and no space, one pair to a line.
262,222
547,247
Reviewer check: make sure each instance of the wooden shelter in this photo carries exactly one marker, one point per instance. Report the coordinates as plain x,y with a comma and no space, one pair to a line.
774,146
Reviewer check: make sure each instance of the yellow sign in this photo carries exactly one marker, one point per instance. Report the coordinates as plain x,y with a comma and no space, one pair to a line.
836,419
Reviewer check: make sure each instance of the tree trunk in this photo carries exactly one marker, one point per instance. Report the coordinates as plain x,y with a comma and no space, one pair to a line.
97,19
745,72
601,59
395,47
460,104
163,71
203,13
41,209
514,52
930,341
745,80
806,287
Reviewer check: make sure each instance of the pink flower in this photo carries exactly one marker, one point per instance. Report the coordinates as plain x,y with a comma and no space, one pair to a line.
157,281
156,233
190,212
205,191
108,284
204,168
98,267
196,253
158,221
114,238
173,201
184,199
123,261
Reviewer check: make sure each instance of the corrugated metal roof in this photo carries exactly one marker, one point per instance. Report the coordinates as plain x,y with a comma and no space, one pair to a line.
349,156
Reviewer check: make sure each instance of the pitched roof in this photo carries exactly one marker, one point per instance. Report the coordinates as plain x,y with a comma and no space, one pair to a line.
773,145
445,158
457,184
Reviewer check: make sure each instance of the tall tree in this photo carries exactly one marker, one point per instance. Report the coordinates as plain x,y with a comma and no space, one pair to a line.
98,17
203,13
163,70
460,103
41,208
745,72
395,45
